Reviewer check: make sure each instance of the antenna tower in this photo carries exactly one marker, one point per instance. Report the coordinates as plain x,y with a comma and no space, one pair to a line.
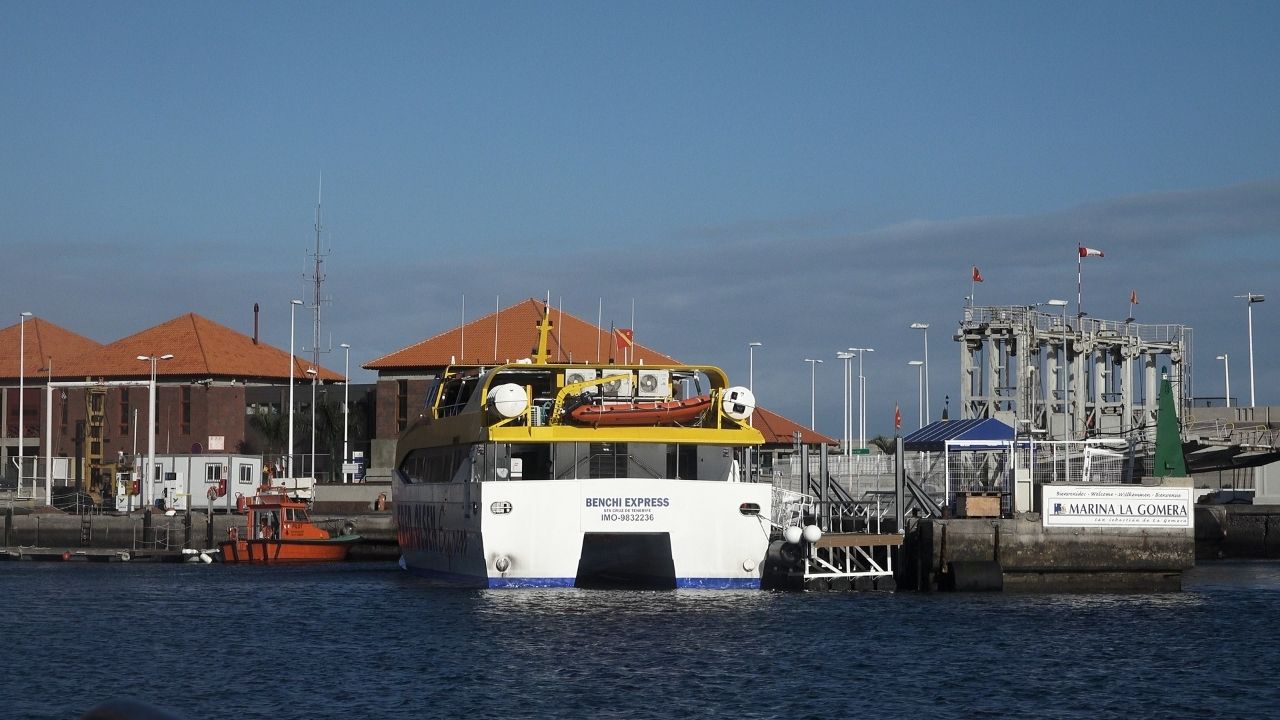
317,278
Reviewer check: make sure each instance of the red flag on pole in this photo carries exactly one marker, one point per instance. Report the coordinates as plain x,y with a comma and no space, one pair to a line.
624,338
1133,297
977,276
897,418
1086,252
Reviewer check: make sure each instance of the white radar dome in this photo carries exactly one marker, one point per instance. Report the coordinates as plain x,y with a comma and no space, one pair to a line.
792,534
738,402
812,533
508,400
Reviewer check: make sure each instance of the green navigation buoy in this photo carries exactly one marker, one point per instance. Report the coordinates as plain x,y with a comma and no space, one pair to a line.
1169,460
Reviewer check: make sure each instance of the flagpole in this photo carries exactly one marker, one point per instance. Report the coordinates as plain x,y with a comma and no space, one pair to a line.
1079,283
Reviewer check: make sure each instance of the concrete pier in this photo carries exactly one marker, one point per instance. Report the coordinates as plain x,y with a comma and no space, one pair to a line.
1021,554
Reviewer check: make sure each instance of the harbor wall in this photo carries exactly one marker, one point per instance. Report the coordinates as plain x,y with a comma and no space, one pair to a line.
1237,532
1021,554
159,531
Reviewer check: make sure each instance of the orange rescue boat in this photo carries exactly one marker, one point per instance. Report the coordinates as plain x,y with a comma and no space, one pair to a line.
663,412
278,529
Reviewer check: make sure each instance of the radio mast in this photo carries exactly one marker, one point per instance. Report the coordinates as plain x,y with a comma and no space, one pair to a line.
317,279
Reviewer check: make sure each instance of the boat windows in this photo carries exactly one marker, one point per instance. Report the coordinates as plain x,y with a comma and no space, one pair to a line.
454,394
433,465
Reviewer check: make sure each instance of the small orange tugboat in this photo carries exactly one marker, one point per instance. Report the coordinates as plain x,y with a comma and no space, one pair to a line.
664,412
278,529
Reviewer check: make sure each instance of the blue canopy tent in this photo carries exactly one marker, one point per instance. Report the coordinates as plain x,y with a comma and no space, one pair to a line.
934,436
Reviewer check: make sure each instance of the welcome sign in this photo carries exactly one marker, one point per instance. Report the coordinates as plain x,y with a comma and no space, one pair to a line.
1137,506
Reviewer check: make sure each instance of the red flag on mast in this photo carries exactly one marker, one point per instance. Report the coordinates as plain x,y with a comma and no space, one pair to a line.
977,276
1133,297
624,338
897,418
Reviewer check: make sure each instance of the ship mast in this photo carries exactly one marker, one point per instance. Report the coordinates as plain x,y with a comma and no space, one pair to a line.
544,329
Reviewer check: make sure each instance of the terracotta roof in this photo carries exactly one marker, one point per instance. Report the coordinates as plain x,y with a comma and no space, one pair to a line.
43,340
778,430
200,348
517,331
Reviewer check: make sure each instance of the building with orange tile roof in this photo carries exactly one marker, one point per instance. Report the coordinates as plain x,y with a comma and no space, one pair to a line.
205,393
41,343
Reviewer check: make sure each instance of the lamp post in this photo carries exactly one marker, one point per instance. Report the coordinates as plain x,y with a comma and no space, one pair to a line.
151,420
293,305
813,367
848,417
924,327
313,373
48,435
862,397
346,397
919,366
22,377
1226,372
751,365
1062,371
1250,299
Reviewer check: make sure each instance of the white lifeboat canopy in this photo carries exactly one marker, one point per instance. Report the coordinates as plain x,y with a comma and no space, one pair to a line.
508,400
737,402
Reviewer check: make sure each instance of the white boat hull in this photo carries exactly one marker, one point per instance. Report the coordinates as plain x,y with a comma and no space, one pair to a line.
554,533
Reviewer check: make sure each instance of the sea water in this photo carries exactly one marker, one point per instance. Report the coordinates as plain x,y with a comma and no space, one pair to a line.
367,640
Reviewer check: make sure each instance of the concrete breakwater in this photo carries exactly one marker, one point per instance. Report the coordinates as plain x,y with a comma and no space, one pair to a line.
158,531
1022,554
1237,532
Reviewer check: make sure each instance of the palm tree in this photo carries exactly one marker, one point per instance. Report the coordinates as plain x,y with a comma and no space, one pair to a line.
273,426
887,445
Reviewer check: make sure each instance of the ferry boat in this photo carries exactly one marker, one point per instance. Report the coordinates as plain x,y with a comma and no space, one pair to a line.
278,529
538,474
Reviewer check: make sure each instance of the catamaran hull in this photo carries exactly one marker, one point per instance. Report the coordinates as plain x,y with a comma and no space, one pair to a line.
585,533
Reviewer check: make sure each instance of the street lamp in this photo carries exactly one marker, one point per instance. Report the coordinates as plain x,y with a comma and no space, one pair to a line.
22,378
924,327
919,366
48,434
151,431
1062,370
1250,299
751,365
312,372
862,397
1226,371
848,418
346,388
813,367
293,305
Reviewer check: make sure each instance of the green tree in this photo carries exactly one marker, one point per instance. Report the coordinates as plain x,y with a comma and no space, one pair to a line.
886,444
273,426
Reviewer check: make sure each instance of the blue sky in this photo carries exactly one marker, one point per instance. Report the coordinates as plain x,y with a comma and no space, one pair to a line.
810,176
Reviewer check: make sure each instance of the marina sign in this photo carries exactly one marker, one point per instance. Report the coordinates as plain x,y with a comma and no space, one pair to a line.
1138,506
